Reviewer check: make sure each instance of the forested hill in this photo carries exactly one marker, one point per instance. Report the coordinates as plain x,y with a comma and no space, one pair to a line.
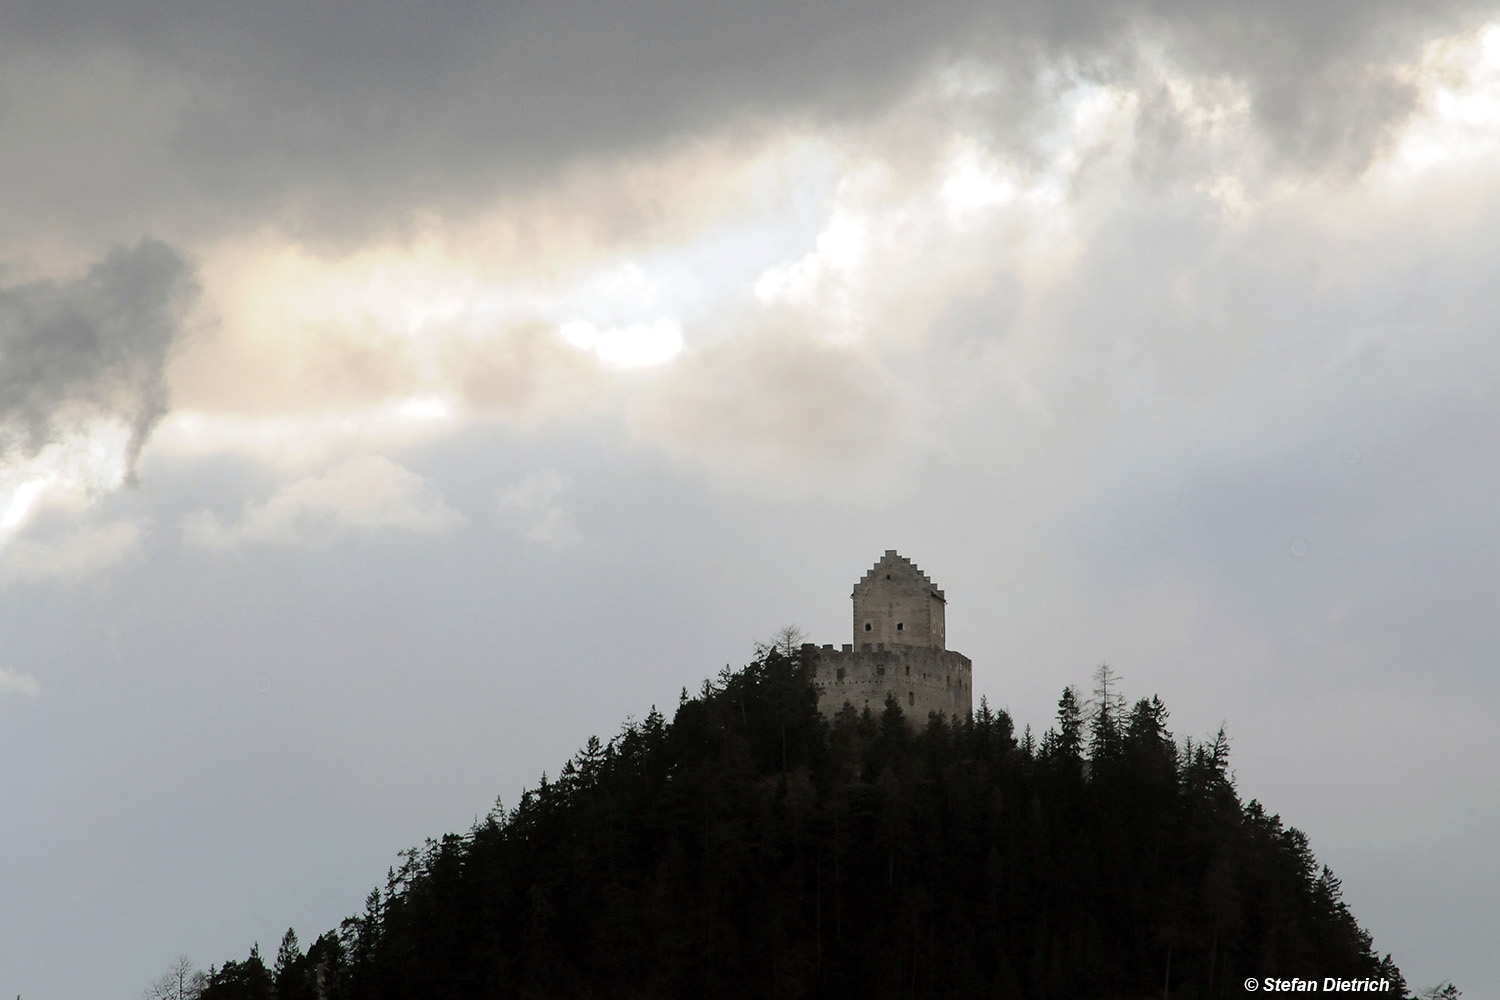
750,848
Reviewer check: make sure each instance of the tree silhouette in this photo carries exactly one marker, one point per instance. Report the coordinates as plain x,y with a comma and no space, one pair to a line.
180,982
750,847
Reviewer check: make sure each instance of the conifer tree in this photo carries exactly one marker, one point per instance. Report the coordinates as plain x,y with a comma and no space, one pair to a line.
1106,708
751,848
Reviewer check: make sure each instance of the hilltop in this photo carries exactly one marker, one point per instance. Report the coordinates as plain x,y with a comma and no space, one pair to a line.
751,847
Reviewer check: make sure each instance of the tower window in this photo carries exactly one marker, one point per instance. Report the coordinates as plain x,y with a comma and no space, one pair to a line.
911,698
908,670
867,626
888,576
900,626
841,673
880,671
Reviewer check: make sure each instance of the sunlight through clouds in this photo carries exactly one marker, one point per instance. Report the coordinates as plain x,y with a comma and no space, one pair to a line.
401,341
976,180
83,463
641,345
1458,127
20,503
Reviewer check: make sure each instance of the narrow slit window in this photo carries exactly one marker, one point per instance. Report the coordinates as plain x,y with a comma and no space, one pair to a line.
900,626
911,698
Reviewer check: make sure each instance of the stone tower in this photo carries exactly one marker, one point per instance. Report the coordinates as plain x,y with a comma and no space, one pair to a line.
896,604
899,649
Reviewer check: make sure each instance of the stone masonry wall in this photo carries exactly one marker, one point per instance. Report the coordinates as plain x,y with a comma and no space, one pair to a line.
896,604
924,679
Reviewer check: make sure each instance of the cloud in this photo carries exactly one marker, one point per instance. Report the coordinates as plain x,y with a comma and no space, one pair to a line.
14,683
344,335
359,122
93,348
534,501
89,350
843,294
83,552
640,345
780,408
525,374
370,493
82,381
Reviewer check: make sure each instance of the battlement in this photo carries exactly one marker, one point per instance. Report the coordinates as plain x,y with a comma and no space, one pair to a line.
923,679
899,649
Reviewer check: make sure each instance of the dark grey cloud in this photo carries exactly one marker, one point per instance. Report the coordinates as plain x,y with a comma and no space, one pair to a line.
90,348
323,119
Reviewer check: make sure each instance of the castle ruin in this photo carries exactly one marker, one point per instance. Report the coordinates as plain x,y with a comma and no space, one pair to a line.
899,649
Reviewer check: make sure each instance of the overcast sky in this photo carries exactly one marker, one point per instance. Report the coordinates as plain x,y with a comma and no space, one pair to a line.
392,396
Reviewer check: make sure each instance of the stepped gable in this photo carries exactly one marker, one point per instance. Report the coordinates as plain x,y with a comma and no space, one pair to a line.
893,559
898,651
895,603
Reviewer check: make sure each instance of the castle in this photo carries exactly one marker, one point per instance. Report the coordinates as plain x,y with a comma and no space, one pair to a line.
899,649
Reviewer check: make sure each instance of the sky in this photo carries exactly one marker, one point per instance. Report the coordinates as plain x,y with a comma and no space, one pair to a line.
391,397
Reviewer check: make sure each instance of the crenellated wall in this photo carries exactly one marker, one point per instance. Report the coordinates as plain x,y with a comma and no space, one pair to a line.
899,648
924,679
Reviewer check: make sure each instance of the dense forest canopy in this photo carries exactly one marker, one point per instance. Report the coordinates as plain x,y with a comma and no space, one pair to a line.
752,848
